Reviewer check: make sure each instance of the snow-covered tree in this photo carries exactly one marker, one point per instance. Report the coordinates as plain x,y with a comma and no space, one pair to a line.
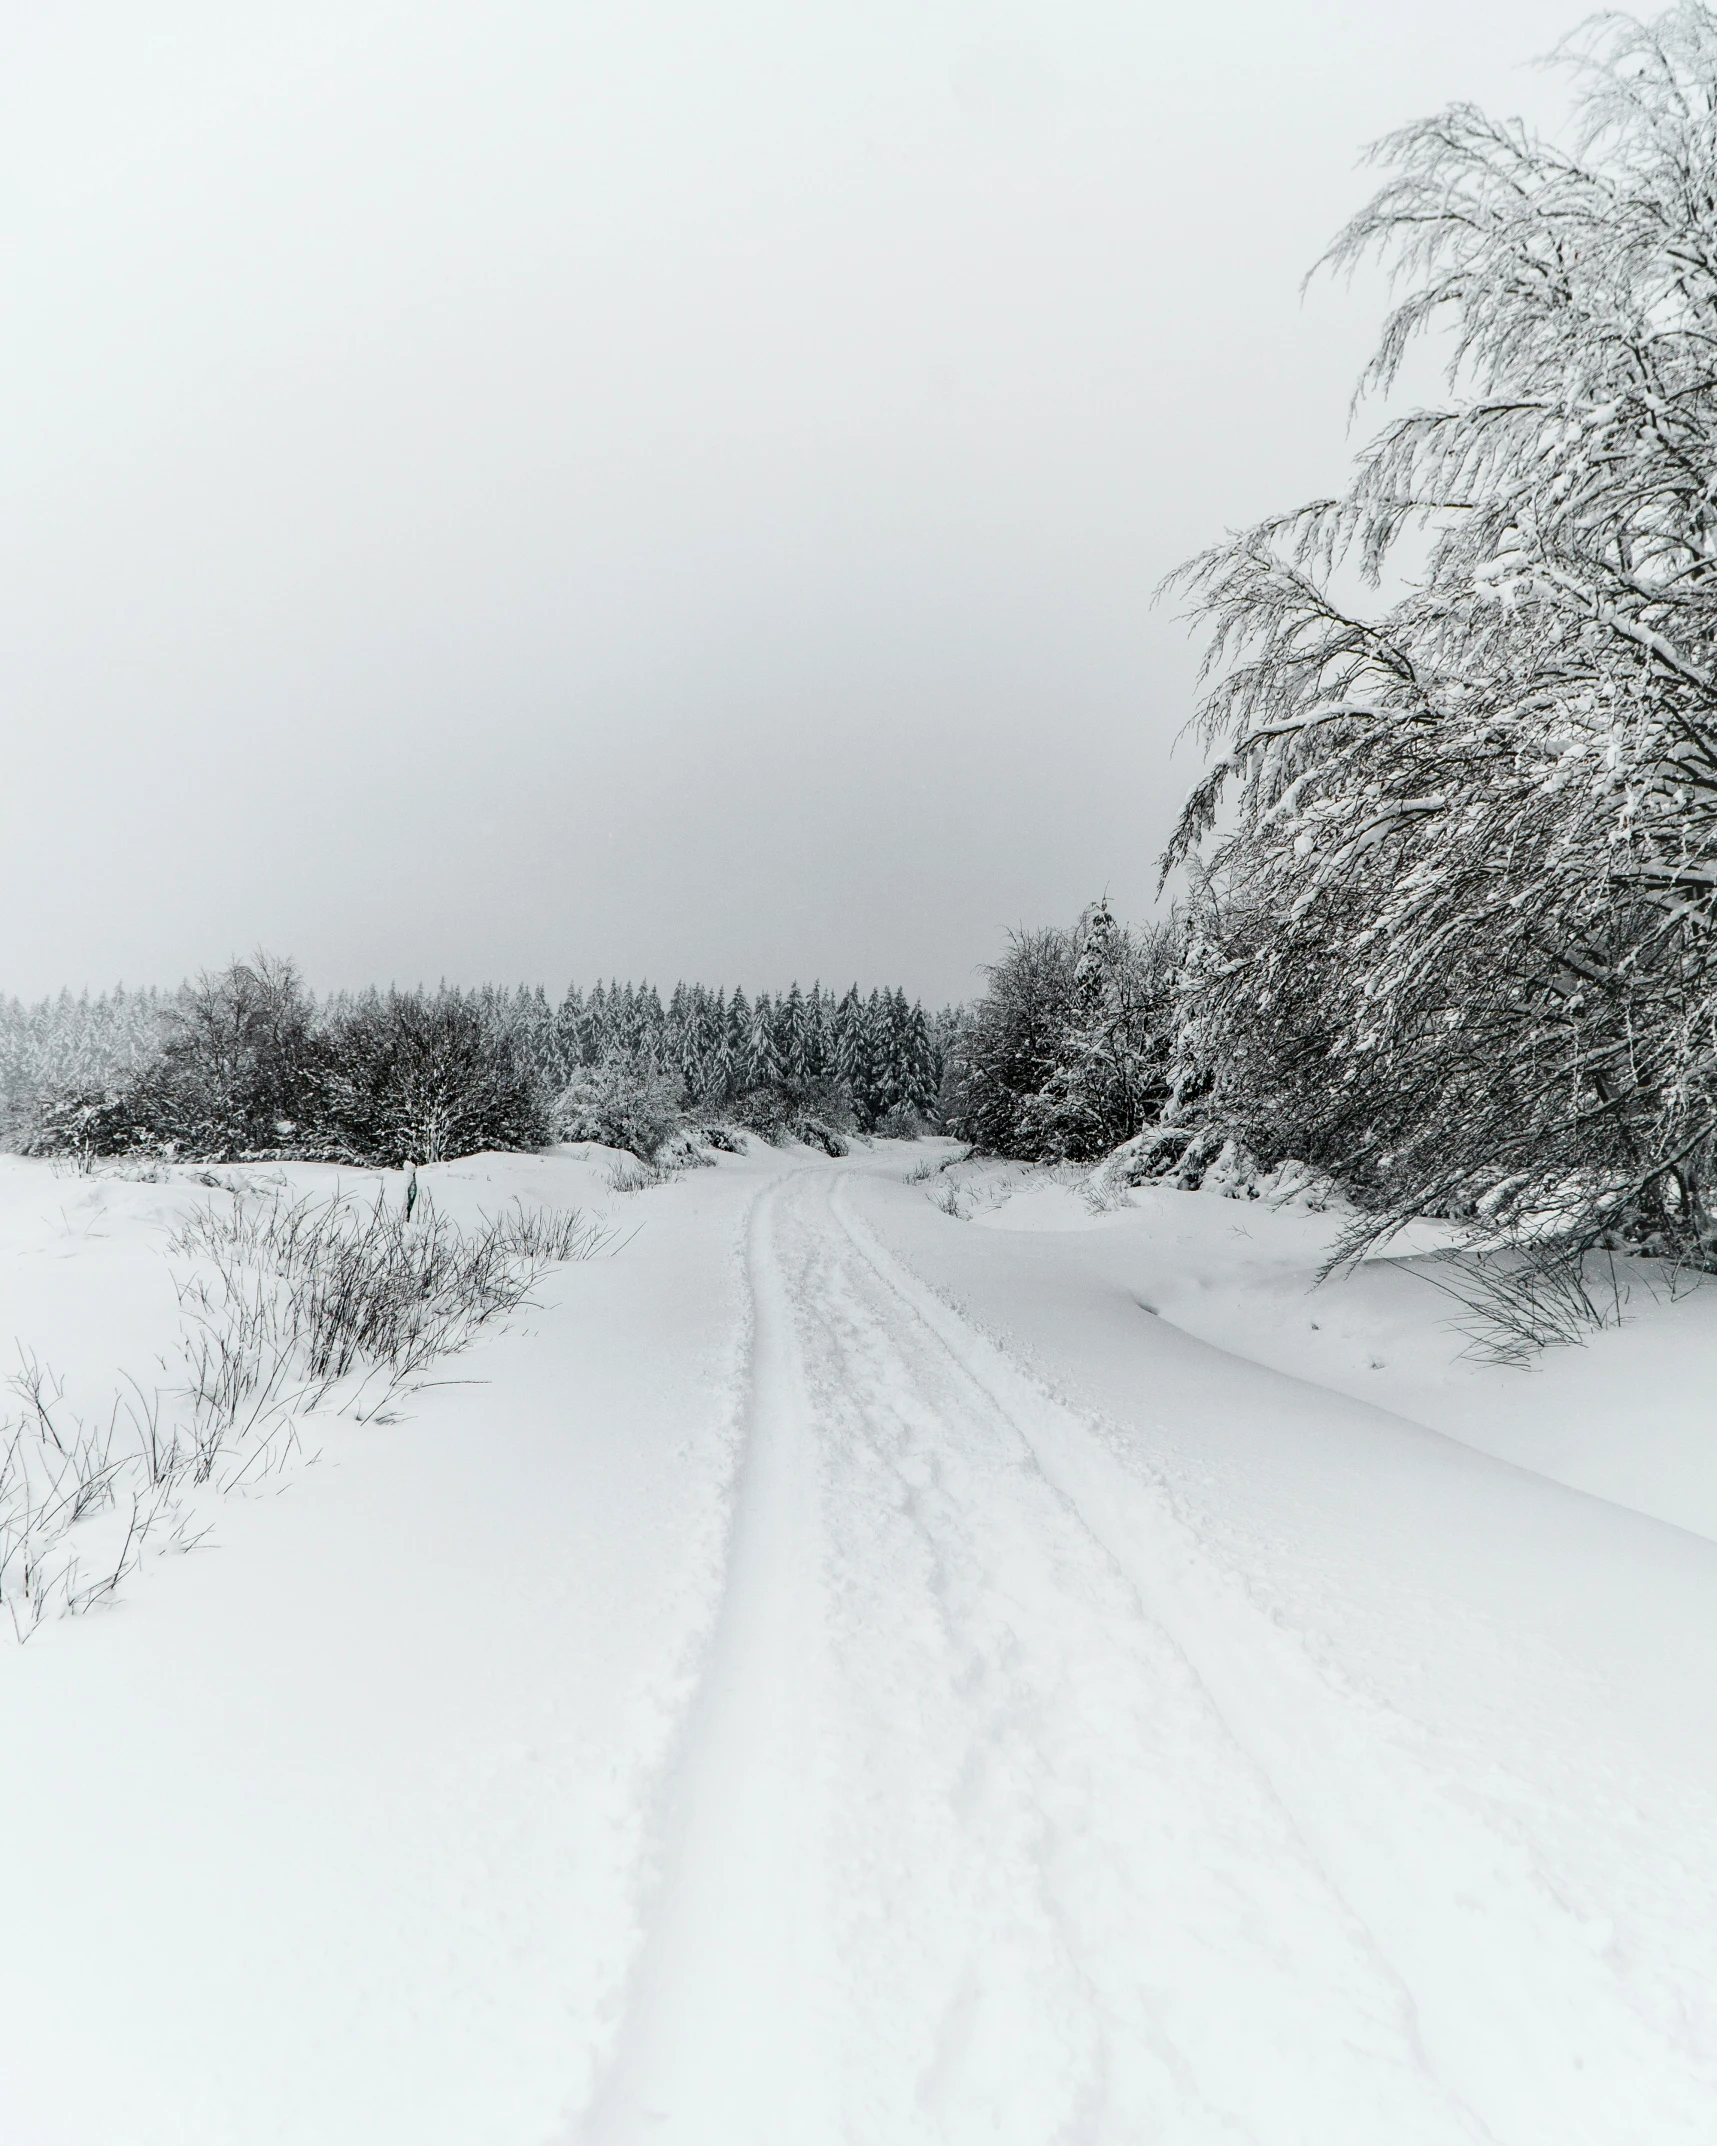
248,1062
790,1036
1004,1048
1109,1072
1458,937
76,1042
819,1017
762,1057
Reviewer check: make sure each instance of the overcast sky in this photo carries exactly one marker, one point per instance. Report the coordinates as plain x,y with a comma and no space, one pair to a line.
536,489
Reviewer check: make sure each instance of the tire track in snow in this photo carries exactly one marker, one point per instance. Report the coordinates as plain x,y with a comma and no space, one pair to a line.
959,1847
1095,1921
1508,1988
719,2043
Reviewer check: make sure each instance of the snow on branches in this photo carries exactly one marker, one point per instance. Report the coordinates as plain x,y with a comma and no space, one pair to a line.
1459,913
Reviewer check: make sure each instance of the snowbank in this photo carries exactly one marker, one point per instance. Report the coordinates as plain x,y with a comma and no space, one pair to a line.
1628,1415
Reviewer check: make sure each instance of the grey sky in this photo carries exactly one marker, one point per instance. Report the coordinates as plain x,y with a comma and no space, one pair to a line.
527,490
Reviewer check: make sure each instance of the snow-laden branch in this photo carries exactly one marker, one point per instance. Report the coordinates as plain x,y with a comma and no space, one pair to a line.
1458,919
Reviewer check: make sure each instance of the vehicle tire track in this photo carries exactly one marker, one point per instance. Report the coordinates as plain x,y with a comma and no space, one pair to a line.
1506,1986
960,1848
719,2042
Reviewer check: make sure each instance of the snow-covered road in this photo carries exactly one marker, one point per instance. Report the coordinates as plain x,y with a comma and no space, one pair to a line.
962,1846
968,1843
856,1678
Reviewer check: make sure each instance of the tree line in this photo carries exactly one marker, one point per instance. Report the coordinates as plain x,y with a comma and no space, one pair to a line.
74,1042
248,1063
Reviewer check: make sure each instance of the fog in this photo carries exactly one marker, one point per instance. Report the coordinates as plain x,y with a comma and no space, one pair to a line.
539,491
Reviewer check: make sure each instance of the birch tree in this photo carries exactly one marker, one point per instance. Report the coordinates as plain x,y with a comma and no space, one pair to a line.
1460,940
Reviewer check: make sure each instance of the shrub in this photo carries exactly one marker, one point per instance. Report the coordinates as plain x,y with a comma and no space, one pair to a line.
318,1289
763,1111
284,1302
84,1124
238,1073
815,1134
817,1112
622,1102
419,1078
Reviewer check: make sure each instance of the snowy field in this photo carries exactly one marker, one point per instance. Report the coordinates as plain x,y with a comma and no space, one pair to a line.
837,1671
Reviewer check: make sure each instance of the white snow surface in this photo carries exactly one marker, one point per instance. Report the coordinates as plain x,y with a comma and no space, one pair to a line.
832,1672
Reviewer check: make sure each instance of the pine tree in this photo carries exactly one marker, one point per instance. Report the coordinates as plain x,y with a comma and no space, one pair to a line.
790,1037
650,1025
719,1079
849,1041
923,1072
739,1042
764,1058
819,1012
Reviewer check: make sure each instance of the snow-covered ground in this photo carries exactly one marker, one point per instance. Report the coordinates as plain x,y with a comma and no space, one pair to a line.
834,1672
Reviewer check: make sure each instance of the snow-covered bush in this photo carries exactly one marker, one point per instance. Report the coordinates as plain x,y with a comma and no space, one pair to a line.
249,1066
818,1112
622,1102
1457,928
817,1132
1208,1157
418,1076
